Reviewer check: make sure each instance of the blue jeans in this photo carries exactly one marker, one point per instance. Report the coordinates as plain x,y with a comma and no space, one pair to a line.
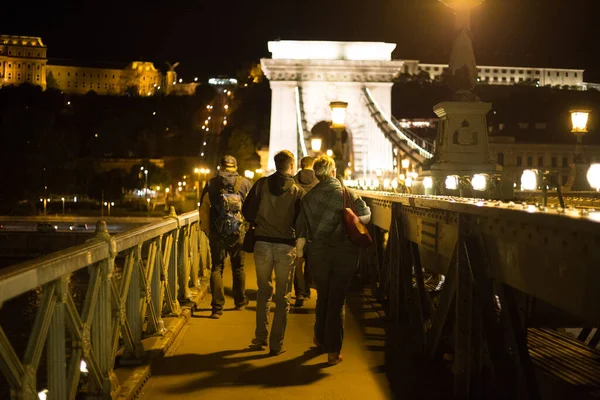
333,268
271,257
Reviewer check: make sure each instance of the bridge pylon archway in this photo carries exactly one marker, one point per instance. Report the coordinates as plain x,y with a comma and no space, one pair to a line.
305,76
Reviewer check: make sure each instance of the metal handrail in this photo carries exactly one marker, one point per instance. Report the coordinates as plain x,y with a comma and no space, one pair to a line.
160,260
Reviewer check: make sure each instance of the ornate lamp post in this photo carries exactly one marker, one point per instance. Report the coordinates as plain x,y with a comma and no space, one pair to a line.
338,123
577,180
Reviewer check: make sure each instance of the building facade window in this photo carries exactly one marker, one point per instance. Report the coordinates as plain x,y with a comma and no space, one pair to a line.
565,178
501,158
540,161
565,162
519,161
529,161
554,163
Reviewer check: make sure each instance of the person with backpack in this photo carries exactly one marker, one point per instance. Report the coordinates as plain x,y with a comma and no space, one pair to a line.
273,206
221,219
307,180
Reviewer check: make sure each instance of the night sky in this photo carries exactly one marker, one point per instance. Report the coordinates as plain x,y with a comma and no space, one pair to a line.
211,37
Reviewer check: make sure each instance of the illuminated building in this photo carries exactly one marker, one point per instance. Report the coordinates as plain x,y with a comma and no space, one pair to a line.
22,60
503,75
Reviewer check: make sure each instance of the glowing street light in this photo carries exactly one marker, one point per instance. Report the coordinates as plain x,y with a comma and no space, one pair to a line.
405,163
529,180
479,182
452,182
593,176
249,174
63,201
338,114
427,182
315,144
329,153
579,120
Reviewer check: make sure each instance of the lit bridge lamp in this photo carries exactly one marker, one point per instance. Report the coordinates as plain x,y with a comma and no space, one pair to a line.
579,122
338,124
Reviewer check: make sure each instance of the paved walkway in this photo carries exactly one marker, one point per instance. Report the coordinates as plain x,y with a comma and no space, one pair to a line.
211,359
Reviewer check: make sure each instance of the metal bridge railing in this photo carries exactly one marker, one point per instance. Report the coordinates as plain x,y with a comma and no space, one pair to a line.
135,278
469,277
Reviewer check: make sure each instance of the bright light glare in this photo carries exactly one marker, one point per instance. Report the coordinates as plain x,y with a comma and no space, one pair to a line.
43,395
249,174
452,182
315,144
427,182
479,182
330,153
338,117
75,199
394,183
593,176
83,367
386,183
408,182
579,120
405,163
529,180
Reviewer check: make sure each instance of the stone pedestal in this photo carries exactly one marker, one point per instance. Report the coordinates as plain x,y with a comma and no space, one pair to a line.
462,140
578,177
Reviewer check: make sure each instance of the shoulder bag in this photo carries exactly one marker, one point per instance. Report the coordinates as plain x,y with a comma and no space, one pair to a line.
357,232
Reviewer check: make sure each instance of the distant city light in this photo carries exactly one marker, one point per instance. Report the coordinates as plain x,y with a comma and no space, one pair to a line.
75,199
154,113
201,154
204,144
68,103
96,135
222,82
180,80
226,107
196,79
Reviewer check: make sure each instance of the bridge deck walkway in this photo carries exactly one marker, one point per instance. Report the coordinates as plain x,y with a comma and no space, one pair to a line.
211,358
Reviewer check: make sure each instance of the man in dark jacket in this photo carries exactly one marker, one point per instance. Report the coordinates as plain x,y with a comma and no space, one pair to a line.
307,180
276,208
221,220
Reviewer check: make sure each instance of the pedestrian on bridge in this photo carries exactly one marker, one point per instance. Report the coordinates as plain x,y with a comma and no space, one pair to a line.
221,219
275,201
333,257
307,180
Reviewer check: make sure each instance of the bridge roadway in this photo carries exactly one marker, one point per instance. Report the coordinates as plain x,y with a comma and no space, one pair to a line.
211,358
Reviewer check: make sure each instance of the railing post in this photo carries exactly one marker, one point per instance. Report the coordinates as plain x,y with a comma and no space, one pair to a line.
183,264
195,254
172,265
102,322
157,298
134,319
56,347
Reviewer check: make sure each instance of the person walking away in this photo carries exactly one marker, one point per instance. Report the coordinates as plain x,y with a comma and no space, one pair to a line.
334,259
276,209
307,180
221,219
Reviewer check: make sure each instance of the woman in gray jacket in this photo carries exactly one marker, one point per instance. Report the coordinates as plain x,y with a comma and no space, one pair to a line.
334,259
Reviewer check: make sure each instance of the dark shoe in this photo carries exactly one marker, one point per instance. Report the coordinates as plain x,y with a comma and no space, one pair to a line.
334,358
242,306
256,345
277,352
299,303
215,315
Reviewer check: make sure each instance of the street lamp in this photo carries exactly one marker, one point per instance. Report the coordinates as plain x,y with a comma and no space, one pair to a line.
63,201
110,204
329,153
579,120
315,144
338,123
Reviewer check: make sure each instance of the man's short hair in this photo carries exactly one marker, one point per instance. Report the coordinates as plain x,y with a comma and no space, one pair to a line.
323,167
307,162
284,160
